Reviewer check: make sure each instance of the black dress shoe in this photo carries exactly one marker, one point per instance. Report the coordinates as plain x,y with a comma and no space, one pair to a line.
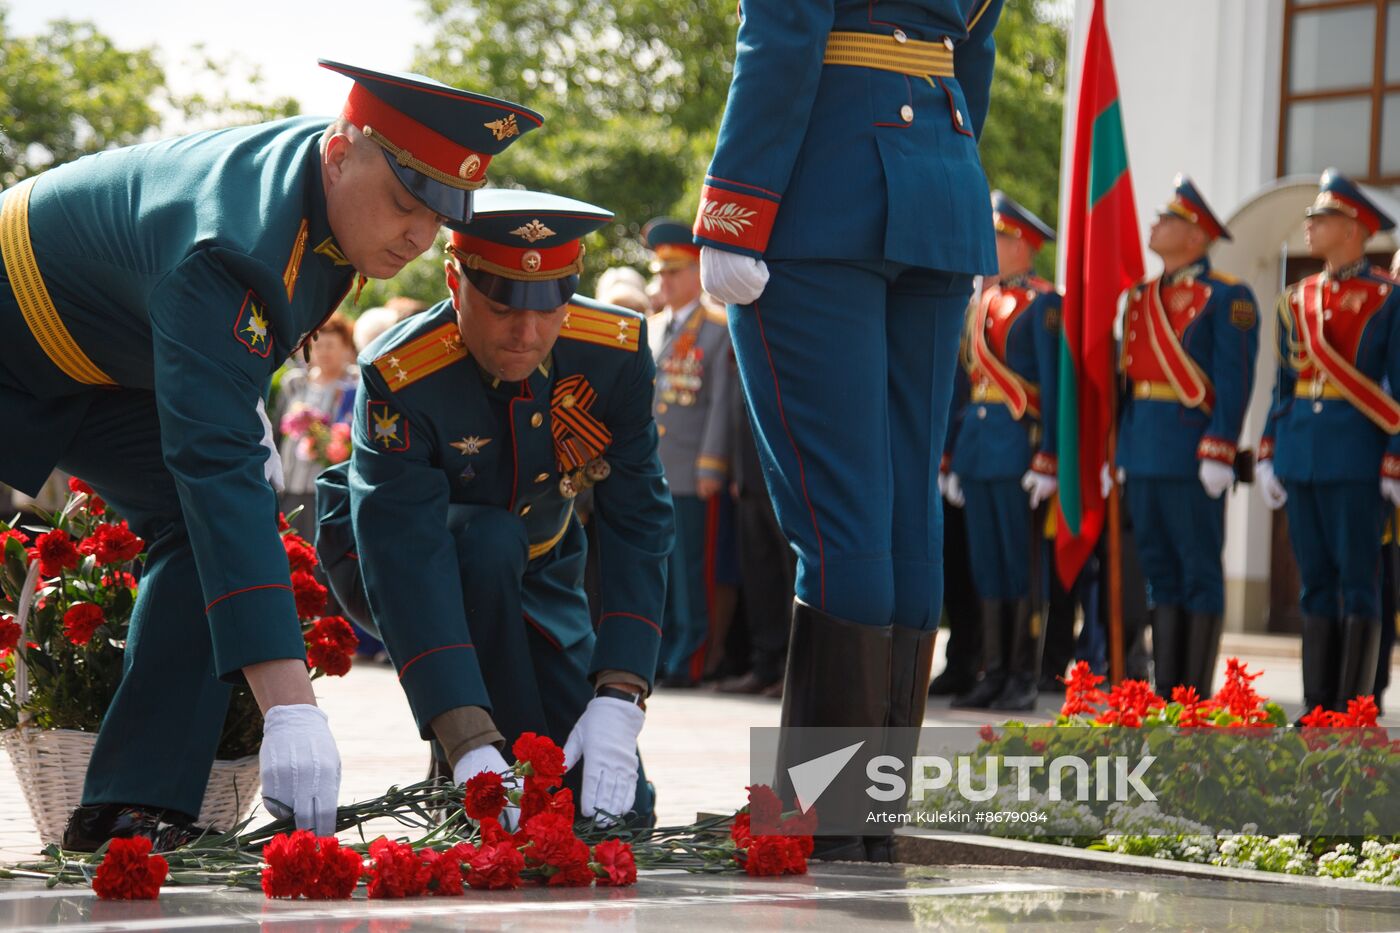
951,683
91,825
749,683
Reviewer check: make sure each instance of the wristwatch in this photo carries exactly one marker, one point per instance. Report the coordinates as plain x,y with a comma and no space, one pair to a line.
616,693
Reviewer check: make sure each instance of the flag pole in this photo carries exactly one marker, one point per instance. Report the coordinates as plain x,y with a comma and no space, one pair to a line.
1116,665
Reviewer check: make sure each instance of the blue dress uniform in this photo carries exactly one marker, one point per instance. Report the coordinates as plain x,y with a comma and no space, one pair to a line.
1187,363
1011,354
692,408
1333,431
847,162
150,294
456,509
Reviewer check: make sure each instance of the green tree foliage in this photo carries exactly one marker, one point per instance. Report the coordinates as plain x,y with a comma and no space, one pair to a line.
1020,144
71,91
633,91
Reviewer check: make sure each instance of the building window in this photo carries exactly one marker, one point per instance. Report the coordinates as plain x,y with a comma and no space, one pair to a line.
1341,89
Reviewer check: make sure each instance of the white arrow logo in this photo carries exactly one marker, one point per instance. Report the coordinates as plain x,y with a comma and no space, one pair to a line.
811,778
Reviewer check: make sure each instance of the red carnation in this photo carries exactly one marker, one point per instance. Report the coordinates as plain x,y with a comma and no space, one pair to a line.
330,645
56,552
492,832
544,759
304,865
485,796
549,839
496,866
116,544
613,863
300,555
129,872
94,505
445,869
9,633
81,621
572,870
765,808
774,855
395,870
310,595
741,831
15,533
562,803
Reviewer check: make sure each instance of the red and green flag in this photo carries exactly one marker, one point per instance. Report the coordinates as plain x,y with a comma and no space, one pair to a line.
1103,256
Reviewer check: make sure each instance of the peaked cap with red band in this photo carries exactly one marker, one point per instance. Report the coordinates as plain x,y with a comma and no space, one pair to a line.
1190,205
1011,219
671,244
1340,195
524,249
436,138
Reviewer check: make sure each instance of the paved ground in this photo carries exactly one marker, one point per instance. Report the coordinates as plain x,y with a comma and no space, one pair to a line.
696,749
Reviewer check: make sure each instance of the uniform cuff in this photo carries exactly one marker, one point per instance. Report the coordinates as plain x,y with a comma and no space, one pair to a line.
946,463
622,677
1390,466
713,467
736,217
1044,463
626,642
463,729
1266,449
441,679
254,624
1213,448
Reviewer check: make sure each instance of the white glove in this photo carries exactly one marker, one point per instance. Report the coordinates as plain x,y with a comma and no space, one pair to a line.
730,277
943,484
1105,481
1269,486
1041,486
606,737
300,767
272,469
1216,477
1390,489
488,758
952,490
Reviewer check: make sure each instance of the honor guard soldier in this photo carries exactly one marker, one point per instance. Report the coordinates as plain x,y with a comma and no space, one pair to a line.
1330,452
843,219
151,292
690,341
1004,450
1190,338
479,422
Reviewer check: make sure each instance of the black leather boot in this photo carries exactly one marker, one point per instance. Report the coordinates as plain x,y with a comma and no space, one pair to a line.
911,662
91,825
838,674
1360,643
1203,630
1023,679
1168,650
994,642
1321,654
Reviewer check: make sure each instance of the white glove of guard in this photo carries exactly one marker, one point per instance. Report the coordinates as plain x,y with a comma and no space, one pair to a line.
1216,477
606,738
730,277
488,758
272,469
1041,486
1390,488
943,484
952,490
1269,486
300,767
1106,480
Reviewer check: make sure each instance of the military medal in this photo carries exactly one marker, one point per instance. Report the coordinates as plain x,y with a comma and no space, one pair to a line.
471,445
567,488
468,474
597,470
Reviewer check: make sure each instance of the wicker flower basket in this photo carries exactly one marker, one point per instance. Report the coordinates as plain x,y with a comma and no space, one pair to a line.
51,764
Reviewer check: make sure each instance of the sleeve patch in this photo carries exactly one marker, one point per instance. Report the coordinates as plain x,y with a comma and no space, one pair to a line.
387,429
1242,313
251,328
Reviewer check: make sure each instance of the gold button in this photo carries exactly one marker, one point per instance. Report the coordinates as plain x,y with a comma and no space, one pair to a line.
957,117
1128,360
981,412
542,477
661,430
948,43
525,509
900,36
906,113
536,420
661,408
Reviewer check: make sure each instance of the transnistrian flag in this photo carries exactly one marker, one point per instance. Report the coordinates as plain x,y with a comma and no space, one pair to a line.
1103,256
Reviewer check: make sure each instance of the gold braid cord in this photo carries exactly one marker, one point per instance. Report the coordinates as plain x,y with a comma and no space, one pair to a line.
404,157
475,261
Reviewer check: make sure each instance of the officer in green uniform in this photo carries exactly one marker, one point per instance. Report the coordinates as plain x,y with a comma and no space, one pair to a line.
149,293
453,524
